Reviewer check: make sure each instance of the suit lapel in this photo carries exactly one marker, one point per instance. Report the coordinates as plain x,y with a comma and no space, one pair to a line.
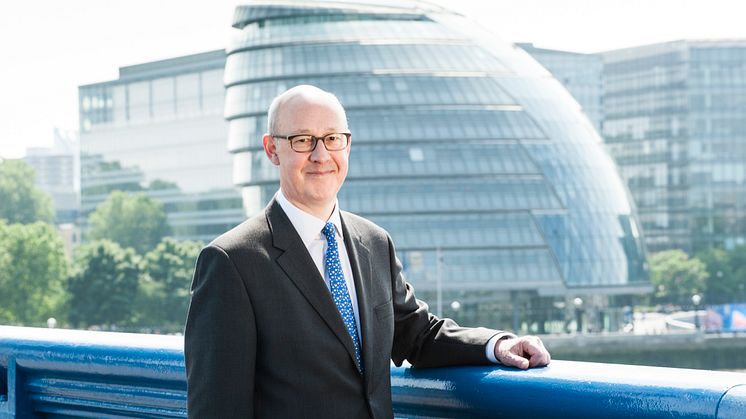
361,273
297,264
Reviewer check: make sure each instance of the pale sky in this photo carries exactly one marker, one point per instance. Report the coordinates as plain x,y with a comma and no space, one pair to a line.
50,47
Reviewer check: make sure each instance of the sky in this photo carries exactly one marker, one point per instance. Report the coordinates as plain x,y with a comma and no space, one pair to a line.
50,47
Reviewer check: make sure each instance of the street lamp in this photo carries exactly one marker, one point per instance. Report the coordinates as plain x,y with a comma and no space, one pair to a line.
578,303
696,299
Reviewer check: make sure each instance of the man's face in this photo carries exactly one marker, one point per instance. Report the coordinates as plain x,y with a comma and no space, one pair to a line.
309,180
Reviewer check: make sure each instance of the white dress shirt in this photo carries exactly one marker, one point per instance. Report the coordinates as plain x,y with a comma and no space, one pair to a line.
310,228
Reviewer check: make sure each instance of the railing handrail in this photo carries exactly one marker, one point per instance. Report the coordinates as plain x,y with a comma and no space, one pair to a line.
105,374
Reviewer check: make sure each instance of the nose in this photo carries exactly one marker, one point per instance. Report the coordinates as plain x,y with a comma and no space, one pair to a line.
320,153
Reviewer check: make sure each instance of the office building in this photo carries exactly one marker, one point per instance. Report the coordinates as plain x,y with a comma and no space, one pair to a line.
675,121
57,173
159,129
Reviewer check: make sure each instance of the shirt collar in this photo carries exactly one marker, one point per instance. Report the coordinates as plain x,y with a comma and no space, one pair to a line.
309,226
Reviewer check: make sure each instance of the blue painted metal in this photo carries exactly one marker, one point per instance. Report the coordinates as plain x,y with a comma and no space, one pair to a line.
66,373
733,404
567,389
71,373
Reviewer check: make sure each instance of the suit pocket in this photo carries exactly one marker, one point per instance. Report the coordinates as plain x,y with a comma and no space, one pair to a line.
384,311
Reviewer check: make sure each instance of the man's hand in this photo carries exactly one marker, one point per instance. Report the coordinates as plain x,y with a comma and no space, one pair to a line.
522,352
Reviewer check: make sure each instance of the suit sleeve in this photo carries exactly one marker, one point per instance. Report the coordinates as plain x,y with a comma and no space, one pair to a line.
219,341
426,340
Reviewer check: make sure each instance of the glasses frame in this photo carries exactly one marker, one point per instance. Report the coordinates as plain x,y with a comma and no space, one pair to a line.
315,141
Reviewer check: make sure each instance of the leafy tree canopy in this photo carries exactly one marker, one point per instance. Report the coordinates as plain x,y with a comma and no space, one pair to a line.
32,273
103,285
131,220
676,277
20,200
165,284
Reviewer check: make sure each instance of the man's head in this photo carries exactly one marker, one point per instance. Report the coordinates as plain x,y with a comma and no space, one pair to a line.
310,179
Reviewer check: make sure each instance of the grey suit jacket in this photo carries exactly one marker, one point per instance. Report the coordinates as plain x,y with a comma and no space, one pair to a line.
264,339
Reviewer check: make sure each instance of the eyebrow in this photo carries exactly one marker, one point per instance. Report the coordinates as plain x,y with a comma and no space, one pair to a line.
308,131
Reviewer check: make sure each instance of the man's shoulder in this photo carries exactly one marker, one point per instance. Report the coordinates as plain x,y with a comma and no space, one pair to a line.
252,232
364,226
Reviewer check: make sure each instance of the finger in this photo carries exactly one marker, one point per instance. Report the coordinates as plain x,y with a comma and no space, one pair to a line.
513,360
539,360
538,354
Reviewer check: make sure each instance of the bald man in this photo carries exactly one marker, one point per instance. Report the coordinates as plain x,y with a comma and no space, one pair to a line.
298,311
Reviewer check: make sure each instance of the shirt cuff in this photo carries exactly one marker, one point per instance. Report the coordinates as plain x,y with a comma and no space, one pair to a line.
490,347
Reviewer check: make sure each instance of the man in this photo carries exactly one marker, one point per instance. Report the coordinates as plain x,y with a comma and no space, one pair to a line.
298,311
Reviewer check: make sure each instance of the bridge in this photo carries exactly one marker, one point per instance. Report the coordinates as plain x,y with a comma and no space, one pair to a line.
54,373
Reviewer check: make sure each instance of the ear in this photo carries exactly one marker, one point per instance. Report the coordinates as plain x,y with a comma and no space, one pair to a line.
270,149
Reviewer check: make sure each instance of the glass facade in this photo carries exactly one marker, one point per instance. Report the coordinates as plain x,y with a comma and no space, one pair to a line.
491,180
581,74
675,122
159,129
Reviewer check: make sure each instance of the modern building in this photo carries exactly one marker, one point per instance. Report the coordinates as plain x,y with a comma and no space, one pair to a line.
58,174
495,186
159,128
581,74
675,121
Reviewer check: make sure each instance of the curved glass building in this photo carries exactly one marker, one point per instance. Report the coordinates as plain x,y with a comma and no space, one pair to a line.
485,171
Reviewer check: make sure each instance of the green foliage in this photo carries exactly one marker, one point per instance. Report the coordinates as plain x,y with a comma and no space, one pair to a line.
164,296
129,178
727,269
720,285
737,279
162,185
676,277
32,273
134,221
103,285
20,200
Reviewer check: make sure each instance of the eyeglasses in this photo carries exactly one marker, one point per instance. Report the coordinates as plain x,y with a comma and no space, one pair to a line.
304,143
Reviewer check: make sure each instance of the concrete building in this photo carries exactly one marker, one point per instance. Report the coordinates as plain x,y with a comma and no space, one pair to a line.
58,173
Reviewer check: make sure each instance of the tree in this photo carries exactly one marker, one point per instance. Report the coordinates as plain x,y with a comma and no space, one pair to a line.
164,295
718,271
736,280
134,221
676,277
103,285
162,185
127,178
20,200
32,273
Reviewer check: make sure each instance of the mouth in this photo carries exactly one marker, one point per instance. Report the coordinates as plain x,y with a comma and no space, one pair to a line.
320,172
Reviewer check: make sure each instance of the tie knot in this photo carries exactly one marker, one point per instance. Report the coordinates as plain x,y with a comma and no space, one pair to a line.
329,231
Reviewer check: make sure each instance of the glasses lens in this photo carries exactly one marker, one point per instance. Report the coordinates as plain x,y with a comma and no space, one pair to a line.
302,143
335,141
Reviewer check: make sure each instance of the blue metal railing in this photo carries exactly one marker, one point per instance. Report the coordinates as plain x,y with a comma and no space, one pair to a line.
68,373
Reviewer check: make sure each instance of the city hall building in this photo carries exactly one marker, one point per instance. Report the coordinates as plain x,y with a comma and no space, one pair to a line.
496,188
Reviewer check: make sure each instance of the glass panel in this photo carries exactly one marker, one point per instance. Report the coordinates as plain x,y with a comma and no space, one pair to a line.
139,101
164,98
187,94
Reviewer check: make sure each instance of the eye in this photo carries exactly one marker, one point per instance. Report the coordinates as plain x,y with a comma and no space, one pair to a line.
303,139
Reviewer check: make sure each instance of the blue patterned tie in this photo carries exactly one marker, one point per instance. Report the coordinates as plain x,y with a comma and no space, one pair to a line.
339,289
